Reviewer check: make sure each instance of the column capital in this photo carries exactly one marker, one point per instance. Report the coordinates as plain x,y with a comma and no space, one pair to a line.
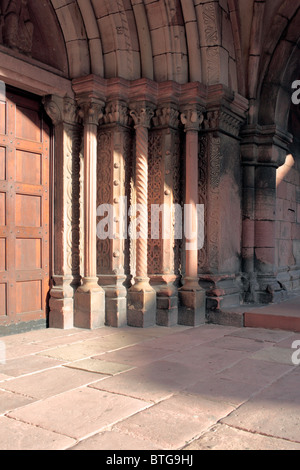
61,110
192,117
142,112
116,112
167,115
264,145
90,110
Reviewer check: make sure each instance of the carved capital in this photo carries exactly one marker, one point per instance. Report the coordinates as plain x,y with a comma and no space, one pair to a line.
192,118
223,120
166,116
61,110
90,111
142,114
116,112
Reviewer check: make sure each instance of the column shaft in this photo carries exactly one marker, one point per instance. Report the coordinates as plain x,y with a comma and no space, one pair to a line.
90,297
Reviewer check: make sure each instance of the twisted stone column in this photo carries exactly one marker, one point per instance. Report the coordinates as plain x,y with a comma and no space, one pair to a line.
191,296
90,297
141,296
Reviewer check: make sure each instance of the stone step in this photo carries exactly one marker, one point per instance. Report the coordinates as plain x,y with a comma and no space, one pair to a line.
282,316
278,316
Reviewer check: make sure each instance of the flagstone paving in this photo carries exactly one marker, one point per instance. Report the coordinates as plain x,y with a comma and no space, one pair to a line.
205,388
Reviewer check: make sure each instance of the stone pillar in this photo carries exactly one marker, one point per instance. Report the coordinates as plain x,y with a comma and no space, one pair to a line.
191,296
114,158
90,297
66,233
141,296
264,149
221,264
164,177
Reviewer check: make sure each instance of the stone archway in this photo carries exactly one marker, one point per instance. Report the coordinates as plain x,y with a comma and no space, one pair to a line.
266,144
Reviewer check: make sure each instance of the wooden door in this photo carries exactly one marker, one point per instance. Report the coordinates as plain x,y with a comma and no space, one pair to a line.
24,210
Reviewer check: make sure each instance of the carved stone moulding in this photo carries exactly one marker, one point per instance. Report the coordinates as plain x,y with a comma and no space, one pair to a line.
265,145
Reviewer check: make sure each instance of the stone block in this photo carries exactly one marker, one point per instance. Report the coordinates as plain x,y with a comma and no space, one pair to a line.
192,307
141,308
89,308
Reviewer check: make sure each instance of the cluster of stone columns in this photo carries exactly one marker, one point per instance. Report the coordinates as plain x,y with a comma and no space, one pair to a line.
114,281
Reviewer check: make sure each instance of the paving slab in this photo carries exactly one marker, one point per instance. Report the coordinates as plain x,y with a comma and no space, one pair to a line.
208,357
254,371
93,347
4,377
100,367
10,401
79,413
154,382
225,438
273,412
137,356
235,343
27,365
221,389
174,422
15,435
112,440
50,382
272,336
275,354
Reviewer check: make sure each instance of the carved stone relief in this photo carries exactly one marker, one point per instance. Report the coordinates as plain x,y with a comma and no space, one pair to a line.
17,30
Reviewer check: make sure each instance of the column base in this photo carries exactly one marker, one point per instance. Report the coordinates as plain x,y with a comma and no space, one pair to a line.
89,305
192,304
222,291
115,300
270,290
141,304
61,303
167,300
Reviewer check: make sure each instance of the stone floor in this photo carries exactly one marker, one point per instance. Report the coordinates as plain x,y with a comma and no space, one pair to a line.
211,387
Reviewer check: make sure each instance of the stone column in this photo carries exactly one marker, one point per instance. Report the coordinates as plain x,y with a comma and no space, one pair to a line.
264,149
221,264
191,296
90,297
164,177
114,159
141,296
66,211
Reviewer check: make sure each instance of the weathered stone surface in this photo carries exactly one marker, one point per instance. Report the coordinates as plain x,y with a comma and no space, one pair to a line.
85,410
222,437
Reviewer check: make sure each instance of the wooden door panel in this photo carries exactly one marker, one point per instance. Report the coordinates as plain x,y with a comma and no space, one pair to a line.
3,300
2,254
2,209
28,167
28,210
24,210
2,164
28,124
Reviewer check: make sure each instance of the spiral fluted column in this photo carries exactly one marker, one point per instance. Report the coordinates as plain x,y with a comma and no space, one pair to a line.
142,200
142,297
